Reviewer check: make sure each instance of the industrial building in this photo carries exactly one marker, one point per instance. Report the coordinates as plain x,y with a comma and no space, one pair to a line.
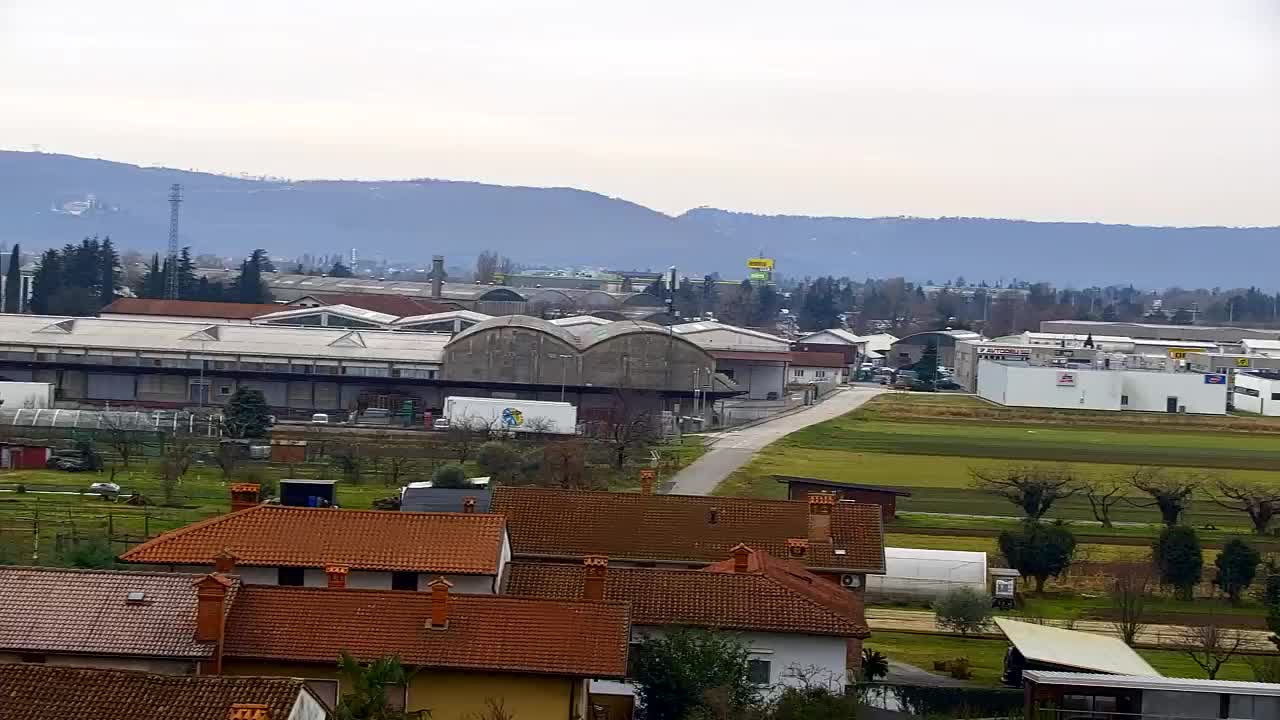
909,350
342,365
1150,331
1257,392
1026,384
756,361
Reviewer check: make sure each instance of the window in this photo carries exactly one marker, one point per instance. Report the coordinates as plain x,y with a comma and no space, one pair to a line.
326,690
1275,396
633,659
1124,399
290,576
404,581
758,671
224,389
819,374
798,372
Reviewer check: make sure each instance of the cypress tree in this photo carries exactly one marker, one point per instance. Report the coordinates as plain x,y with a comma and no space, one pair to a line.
13,283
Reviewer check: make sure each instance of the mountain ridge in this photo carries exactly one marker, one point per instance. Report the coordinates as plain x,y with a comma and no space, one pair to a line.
411,219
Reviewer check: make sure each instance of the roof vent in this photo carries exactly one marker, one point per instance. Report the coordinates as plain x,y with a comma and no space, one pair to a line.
63,327
135,597
209,333
351,339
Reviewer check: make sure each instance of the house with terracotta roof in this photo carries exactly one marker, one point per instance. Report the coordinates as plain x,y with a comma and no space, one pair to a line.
112,619
798,627
41,692
840,540
298,546
534,656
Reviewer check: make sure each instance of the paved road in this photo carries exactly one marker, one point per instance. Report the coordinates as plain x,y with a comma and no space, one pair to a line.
732,449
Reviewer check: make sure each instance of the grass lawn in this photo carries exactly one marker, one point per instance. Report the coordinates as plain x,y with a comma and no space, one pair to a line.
986,656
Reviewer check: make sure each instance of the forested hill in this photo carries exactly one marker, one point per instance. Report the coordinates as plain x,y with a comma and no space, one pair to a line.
45,201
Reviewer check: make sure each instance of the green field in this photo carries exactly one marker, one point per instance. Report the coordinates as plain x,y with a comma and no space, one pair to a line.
891,442
986,656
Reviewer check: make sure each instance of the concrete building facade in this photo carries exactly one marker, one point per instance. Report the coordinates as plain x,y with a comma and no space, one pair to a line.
1257,392
1024,384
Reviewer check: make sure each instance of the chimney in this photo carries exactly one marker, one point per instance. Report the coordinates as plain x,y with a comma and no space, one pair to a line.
437,276
646,481
797,548
249,711
820,507
243,496
225,562
468,504
211,613
596,568
440,603
337,575
741,555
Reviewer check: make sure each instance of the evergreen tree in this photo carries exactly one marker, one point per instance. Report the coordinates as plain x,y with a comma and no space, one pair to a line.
249,287
187,283
927,367
108,272
13,283
1178,559
46,282
247,414
151,285
1237,567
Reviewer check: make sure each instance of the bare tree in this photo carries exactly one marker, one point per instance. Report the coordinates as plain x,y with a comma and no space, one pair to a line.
1033,489
121,434
349,460
564,462
489,264
228,458
396,463
1130,592
1102,496
1259,502
1170,493
174,464
1210,646
632,428
464,436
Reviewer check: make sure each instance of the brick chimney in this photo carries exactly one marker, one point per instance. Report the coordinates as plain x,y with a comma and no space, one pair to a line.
249,711
225,562
820,507
337,575
797,548
646,482
243,496
468,504
596,568
437,276
439,603
211,613
741,556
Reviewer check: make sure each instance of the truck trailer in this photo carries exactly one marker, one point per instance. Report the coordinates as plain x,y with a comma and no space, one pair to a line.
560,418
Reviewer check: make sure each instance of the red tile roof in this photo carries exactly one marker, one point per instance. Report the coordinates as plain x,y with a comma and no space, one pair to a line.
46,692
86,612
398,305
276,536
758,600
818,359
191,308
485,632
551,523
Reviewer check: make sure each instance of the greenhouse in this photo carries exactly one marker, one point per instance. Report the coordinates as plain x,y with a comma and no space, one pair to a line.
915,574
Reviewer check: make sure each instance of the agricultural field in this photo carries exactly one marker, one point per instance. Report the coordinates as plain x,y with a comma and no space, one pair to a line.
930,444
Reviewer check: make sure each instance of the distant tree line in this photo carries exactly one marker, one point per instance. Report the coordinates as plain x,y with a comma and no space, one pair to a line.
76,280
247,287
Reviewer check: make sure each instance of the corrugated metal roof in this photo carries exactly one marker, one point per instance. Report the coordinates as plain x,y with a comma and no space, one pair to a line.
1075,649
346,311
1174,684
449,315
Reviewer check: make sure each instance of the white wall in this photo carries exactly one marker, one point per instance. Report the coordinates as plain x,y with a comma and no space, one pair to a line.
1027,386
1266,401
1149,392
805,374
26,394
759,379
786,651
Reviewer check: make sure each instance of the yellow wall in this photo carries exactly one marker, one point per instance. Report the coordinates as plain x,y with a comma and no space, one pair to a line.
455,695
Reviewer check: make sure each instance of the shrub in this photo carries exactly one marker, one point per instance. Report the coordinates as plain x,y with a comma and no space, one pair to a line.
449,476
501,462
1038,550
95,553
1177,557
963,610
1237,566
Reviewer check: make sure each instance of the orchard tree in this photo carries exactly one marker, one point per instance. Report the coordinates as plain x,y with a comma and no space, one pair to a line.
1177,557
1103,495
1170,494
963,610
1261,503
1237,567
1033,489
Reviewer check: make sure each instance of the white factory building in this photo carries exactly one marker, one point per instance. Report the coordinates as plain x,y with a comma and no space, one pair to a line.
1257,392
1097,387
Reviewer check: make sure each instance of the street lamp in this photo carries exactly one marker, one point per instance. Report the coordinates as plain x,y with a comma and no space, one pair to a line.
564,370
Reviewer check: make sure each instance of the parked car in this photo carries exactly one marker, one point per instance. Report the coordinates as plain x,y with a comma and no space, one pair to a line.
320,419
105,489
440,423
69,461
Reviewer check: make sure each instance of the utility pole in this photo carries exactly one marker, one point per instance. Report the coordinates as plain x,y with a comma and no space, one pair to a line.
171,278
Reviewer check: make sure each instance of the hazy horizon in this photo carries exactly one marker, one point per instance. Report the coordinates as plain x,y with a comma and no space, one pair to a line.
1146,113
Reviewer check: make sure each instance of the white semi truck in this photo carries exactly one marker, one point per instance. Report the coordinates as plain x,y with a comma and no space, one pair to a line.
560,418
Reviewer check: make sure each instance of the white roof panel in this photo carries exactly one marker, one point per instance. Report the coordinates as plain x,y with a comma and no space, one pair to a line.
1075,649
1175,684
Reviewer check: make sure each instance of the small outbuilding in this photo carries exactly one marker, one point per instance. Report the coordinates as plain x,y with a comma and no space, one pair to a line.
799,488
1044,647
23,456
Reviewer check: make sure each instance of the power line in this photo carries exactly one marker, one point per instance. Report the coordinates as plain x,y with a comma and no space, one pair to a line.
171,277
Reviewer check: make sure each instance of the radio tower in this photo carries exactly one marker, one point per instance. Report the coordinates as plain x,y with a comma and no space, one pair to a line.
171,277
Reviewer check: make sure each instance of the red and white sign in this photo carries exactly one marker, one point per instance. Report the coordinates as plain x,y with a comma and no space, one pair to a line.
1066,379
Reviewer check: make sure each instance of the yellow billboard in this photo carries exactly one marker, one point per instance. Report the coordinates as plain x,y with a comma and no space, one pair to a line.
760,263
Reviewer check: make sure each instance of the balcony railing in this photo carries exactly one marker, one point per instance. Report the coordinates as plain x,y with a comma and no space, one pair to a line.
1062,714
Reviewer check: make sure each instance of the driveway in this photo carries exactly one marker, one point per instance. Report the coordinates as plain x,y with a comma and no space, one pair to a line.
732,449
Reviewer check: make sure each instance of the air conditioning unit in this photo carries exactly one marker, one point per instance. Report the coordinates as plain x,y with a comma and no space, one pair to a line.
850,580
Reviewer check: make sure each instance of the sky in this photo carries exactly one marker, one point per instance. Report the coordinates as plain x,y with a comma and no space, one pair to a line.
1160,112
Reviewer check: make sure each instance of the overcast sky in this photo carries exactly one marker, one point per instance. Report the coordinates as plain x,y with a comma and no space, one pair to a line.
1144,111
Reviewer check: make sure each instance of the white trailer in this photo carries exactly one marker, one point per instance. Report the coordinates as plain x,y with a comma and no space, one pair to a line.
30,395
512,415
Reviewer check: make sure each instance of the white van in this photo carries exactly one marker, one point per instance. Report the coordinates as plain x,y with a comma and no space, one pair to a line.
320,419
